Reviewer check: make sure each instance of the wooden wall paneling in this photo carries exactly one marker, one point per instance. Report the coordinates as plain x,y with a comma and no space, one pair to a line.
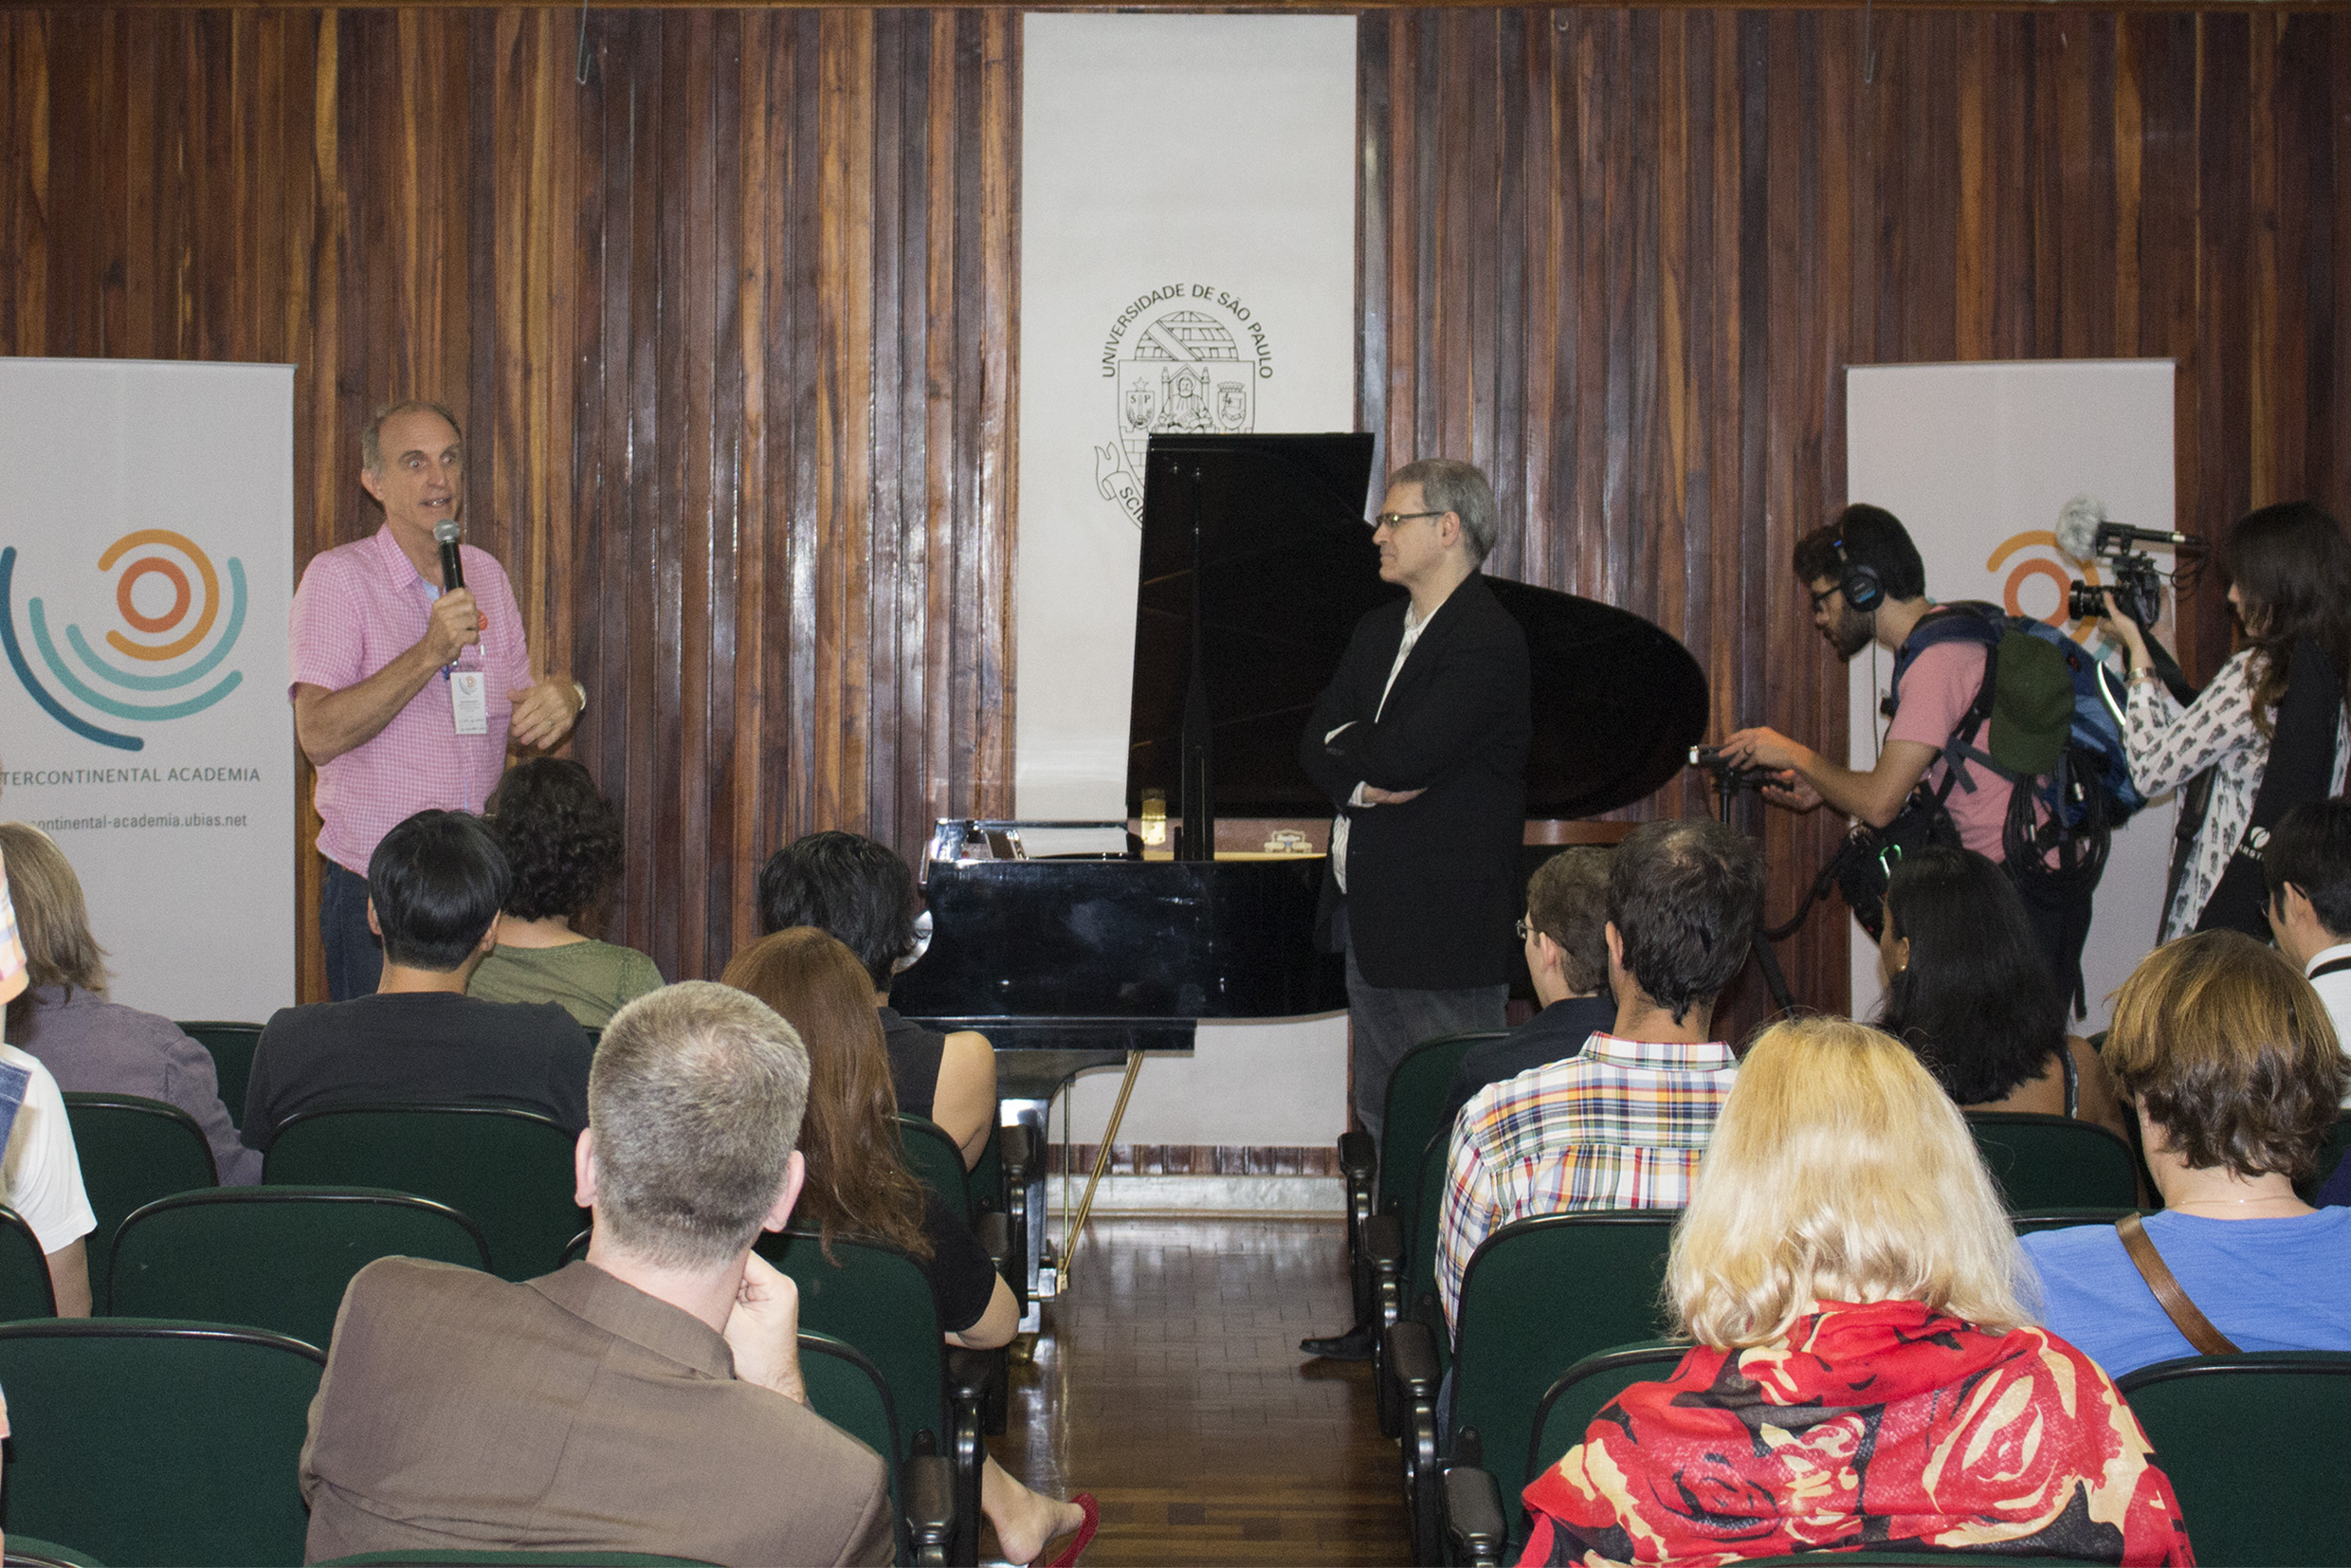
733,323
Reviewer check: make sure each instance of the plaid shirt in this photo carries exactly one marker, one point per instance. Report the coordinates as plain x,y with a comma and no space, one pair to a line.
12,947
360,607
1620,1126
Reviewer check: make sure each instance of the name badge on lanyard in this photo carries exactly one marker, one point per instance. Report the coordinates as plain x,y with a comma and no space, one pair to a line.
470,701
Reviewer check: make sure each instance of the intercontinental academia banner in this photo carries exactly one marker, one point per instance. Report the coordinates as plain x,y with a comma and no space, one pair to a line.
146,562
1977,460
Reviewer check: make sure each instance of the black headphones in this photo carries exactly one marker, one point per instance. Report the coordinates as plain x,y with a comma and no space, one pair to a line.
1858,583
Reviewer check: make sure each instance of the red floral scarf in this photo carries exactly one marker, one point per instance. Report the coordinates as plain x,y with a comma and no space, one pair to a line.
1885,1425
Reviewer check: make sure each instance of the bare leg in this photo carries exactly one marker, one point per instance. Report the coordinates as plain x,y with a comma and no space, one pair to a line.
1025,1522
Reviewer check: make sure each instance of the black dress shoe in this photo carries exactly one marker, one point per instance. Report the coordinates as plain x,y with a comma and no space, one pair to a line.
1354,1345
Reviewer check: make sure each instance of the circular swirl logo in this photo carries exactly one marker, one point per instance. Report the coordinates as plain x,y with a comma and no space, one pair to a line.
2037,585
176,627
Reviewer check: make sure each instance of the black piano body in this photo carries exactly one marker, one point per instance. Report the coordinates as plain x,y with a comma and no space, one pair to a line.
1255,566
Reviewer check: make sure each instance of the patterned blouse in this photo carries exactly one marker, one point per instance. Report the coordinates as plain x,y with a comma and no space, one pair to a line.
2170,745
1888,1424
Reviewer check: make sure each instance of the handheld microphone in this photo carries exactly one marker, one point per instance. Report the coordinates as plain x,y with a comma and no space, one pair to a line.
453,569
2079,522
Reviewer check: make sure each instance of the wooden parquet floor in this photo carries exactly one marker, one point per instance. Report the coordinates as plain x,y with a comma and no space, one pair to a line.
1168,1382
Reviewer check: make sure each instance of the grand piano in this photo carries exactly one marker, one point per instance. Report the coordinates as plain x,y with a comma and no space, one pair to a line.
1069,945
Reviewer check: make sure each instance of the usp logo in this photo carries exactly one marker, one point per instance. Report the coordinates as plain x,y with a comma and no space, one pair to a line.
174,632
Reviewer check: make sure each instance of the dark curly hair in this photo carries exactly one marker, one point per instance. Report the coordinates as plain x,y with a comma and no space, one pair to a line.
1975,1001
560,835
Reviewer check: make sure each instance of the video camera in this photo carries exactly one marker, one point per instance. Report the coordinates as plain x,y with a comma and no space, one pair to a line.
2085,534
1729,777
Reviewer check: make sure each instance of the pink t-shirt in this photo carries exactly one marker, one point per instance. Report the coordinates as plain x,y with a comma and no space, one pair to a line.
360,607
1937,690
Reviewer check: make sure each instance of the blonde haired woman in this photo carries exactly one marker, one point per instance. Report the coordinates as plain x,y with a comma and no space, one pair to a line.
1865,1371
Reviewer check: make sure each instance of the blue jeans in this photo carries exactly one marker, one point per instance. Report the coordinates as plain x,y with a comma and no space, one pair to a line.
355,959
1384,1021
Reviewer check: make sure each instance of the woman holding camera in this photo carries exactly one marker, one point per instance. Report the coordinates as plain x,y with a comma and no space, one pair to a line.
2289,577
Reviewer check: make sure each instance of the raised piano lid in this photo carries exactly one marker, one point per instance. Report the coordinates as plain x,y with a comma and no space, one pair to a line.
1286,568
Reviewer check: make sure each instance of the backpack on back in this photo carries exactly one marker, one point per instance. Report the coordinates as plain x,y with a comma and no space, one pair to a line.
2055,731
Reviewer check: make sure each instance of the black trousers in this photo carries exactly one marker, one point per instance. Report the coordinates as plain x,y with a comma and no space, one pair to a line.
2061,927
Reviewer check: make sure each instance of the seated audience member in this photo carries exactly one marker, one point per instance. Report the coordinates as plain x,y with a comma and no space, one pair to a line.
2234,1068
862,893
434,886
646,1399
563,846
92,1045
1567,957
2307,865
1621,1125
858,1186
40,1178
1967,988
1865,1371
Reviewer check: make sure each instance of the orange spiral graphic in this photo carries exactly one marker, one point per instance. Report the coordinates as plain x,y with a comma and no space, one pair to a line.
171,572
2011,599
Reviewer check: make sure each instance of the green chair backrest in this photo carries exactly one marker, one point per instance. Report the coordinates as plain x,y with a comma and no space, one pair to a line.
231,1046
508,1170
934,1160
1415,1095
1422,1223
2027,1221
31,1551
1570,1405
2055,1163
987,1179
277,1258
2258,1448
147,1441
1541,1295
25,1287
2330,1154
847,1389
133,1152
877,1299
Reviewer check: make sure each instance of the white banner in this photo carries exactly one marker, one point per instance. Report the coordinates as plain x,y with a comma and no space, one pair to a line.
1975,460
1186,265
146,562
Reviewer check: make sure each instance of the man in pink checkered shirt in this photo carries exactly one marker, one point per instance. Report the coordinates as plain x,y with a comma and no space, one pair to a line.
1623,1122
406,697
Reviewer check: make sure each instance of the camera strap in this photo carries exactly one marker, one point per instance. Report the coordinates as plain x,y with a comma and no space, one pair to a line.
2301,767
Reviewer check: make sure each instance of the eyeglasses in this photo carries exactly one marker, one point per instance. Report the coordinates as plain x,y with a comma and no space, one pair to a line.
1822,597
1525,930
1397,520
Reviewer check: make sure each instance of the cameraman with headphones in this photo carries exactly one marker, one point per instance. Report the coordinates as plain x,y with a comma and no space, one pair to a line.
1868,584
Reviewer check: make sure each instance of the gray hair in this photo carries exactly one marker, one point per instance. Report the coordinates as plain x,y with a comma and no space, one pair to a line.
695,1099
1449,486
372,438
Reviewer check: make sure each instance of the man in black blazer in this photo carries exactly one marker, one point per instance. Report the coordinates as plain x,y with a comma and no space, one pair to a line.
1420,741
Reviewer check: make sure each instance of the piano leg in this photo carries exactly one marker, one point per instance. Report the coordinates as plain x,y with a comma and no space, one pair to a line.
1076,1228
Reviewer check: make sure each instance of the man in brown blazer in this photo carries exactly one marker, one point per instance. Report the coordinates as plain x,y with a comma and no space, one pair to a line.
646,1399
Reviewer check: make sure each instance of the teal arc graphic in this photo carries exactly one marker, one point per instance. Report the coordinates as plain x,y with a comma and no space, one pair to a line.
106,670
116,708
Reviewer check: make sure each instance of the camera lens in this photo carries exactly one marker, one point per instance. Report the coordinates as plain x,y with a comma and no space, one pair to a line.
2083,602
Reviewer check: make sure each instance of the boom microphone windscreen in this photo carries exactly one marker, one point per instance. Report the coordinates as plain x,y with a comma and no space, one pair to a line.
2078,522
